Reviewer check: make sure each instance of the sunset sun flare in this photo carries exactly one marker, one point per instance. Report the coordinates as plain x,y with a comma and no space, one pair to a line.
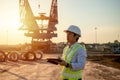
86,14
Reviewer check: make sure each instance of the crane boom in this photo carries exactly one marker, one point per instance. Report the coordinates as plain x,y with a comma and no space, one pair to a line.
40,34
27,17
53,16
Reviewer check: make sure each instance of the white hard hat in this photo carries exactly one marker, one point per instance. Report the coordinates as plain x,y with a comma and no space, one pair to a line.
74,29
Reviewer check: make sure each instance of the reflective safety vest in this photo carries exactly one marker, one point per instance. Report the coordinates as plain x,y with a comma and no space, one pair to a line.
67,73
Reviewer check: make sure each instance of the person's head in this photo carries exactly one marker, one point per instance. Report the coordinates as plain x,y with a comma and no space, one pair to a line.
73,33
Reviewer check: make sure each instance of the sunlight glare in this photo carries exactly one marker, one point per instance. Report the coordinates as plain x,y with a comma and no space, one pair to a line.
13,23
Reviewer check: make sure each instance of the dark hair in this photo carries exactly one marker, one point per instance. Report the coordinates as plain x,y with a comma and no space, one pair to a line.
77,37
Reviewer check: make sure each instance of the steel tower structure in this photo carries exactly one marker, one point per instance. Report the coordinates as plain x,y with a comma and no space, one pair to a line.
41,34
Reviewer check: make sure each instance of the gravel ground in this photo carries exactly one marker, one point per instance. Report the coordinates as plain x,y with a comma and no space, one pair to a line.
41,70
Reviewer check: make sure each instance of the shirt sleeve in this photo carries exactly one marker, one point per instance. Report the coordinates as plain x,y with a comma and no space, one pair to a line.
79,60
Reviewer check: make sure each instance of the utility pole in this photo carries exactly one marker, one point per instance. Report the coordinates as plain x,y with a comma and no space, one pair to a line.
118,37
7,37
96,35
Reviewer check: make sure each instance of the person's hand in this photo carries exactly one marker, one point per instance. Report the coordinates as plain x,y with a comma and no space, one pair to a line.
62,63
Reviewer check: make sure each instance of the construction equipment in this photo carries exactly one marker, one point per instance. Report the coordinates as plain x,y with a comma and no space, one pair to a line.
18,55
41,34
13,56
2,56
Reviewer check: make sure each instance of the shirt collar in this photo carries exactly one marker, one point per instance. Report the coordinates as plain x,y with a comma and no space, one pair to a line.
73,44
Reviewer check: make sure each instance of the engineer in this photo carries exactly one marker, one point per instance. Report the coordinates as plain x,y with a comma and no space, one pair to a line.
74,55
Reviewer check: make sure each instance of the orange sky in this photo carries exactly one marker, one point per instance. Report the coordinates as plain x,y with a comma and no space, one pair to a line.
105,15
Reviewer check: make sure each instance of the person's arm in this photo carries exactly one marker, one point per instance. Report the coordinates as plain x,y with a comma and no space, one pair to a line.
80,58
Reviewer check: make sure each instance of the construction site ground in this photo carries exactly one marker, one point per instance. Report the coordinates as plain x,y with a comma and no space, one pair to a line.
97,68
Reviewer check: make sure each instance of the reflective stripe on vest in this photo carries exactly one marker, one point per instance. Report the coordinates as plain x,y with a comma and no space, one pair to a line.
66,72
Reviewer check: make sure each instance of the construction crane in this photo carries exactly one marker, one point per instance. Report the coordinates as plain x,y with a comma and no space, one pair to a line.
40,34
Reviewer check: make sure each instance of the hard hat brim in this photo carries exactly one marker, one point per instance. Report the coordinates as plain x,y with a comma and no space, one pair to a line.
68,31
71,32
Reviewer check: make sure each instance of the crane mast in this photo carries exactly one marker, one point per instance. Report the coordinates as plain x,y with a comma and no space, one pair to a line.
40,34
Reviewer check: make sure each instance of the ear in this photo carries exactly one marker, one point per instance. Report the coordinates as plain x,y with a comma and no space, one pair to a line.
75,37
78,36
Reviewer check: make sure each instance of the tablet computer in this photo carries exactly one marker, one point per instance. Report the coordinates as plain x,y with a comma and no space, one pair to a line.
53,60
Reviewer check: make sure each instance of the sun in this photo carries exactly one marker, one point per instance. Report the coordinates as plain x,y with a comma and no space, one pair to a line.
10,23
13,23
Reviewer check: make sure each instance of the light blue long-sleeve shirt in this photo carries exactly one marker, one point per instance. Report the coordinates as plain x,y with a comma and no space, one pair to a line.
79,58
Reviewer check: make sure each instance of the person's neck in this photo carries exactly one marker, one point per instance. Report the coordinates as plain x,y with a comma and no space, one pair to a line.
71,43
